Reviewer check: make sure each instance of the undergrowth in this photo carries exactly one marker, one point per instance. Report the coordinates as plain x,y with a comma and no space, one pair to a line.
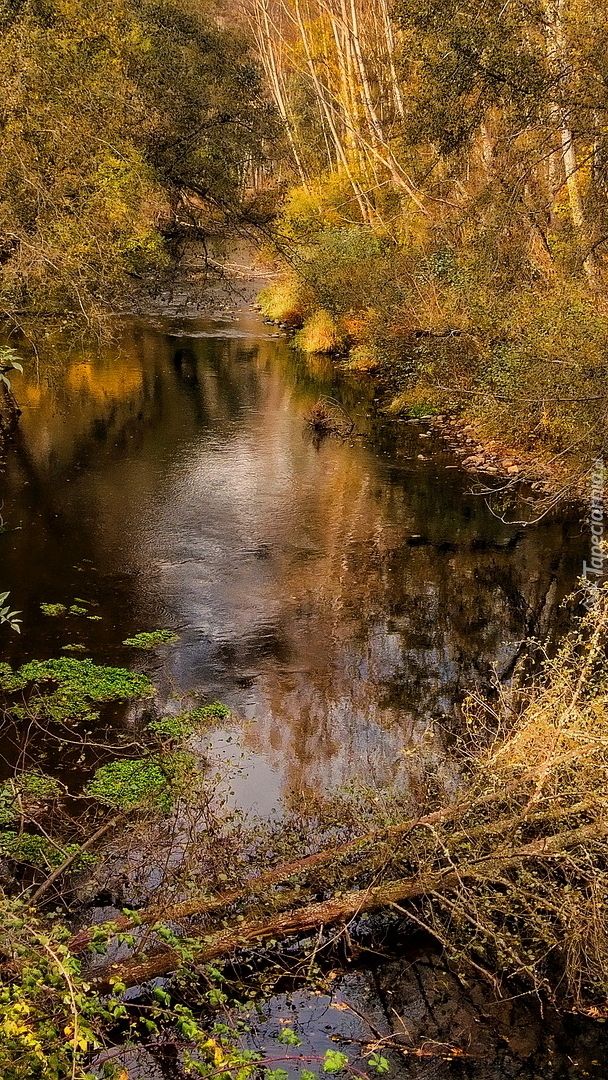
521,358
510,877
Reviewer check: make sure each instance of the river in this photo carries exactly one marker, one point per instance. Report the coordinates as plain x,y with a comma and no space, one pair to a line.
340,595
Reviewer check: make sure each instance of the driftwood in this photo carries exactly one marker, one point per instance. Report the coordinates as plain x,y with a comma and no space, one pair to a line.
328,417
162,961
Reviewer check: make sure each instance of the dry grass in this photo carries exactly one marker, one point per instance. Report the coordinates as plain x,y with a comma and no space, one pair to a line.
327,417
320,334
538,785
284,301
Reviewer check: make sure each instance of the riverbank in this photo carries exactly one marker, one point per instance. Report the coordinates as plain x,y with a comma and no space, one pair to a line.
512,374
232,277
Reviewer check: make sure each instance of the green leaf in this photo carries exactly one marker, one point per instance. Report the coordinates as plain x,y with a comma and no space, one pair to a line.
334,1061
379,1063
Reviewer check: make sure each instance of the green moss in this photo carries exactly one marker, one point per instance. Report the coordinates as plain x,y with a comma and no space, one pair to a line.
75,647
186,723
151,639
53,609
125,785
77,609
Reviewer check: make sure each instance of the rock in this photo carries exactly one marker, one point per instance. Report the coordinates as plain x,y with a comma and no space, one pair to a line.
513,469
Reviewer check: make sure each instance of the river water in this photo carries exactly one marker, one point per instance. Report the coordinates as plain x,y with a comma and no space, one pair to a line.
339,595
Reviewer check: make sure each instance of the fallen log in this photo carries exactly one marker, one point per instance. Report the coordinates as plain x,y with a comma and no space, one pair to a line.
254,886
203,905
162,961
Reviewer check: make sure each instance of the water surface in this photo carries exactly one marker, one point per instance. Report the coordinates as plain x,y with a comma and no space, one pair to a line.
339,596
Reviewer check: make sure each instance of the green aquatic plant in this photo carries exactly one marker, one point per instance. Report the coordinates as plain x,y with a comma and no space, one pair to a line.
9,811
79,684
74,647
53,609
151,639
37,786
35,850
27,793
127,785
77,609
95,681
186,723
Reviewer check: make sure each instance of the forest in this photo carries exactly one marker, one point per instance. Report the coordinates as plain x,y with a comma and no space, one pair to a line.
432,177
221,533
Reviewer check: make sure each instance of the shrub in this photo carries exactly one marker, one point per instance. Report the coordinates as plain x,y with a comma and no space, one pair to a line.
319,334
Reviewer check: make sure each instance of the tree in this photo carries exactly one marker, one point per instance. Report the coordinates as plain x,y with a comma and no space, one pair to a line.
108,117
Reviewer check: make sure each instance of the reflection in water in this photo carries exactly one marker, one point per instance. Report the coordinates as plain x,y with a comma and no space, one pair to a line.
340,597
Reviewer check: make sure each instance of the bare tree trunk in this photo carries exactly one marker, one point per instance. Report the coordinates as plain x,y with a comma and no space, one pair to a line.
558,58
391,49
265,41
327,112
